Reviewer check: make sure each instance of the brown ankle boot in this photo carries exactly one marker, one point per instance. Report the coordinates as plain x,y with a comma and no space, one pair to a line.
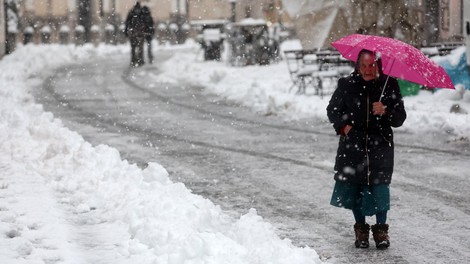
362,235
381,238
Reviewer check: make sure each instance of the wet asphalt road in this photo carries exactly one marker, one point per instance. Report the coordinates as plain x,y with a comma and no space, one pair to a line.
240,159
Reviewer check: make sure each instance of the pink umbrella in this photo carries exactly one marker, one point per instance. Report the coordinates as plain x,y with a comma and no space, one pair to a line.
399,59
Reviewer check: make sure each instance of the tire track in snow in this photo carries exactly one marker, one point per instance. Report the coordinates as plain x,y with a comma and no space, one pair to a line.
169,100
113,125
118,126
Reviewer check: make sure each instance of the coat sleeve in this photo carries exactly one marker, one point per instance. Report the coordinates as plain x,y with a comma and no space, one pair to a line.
127,23
151,25
395,113
336,107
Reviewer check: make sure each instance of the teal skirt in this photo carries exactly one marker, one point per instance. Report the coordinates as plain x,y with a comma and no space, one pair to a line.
370,200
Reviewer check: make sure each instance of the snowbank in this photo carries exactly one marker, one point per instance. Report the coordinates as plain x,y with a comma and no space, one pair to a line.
58,193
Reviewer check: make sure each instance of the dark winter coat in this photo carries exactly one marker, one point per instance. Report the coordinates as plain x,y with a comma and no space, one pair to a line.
135,23
366,154
149,24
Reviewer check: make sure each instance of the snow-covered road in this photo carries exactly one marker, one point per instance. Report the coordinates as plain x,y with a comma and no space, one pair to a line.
241,159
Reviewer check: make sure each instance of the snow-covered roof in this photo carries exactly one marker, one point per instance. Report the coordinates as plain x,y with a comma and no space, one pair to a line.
298,8
251,22
208,22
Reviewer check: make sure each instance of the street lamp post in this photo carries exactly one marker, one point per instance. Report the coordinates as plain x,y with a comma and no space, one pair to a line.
113,14
233,16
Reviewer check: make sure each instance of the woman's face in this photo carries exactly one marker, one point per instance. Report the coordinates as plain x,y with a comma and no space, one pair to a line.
368,67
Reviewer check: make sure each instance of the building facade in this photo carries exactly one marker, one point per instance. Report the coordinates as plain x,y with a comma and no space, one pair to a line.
56,14
419,22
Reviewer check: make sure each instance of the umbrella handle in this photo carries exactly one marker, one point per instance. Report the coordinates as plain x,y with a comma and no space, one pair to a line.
383,89
388,76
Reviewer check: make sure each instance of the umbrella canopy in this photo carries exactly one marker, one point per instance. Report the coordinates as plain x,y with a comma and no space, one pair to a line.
399,59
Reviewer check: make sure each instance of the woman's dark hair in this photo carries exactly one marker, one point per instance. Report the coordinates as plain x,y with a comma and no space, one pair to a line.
363,52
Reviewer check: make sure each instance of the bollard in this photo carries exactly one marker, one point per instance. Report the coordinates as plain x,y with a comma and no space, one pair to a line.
110,34
46,34
79,35
162,33
64,34
185,29
28,35
173,33
95,35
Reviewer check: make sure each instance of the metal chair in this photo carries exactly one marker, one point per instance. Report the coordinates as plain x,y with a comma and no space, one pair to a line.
301,65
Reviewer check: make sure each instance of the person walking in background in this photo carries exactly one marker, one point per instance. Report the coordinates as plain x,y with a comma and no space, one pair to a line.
149,31
363,117
135,30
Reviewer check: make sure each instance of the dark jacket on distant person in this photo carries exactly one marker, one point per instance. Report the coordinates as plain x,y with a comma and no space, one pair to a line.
135,23
149,23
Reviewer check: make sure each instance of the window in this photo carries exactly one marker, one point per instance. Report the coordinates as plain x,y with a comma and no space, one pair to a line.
445,16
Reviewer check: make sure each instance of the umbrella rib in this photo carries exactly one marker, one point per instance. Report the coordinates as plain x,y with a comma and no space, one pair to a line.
386,81
349,51
351,48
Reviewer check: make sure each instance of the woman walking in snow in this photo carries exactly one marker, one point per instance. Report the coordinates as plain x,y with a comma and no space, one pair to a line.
364,118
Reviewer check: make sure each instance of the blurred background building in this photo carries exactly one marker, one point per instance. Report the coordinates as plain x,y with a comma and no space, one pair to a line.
315,22
418,22
55,16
